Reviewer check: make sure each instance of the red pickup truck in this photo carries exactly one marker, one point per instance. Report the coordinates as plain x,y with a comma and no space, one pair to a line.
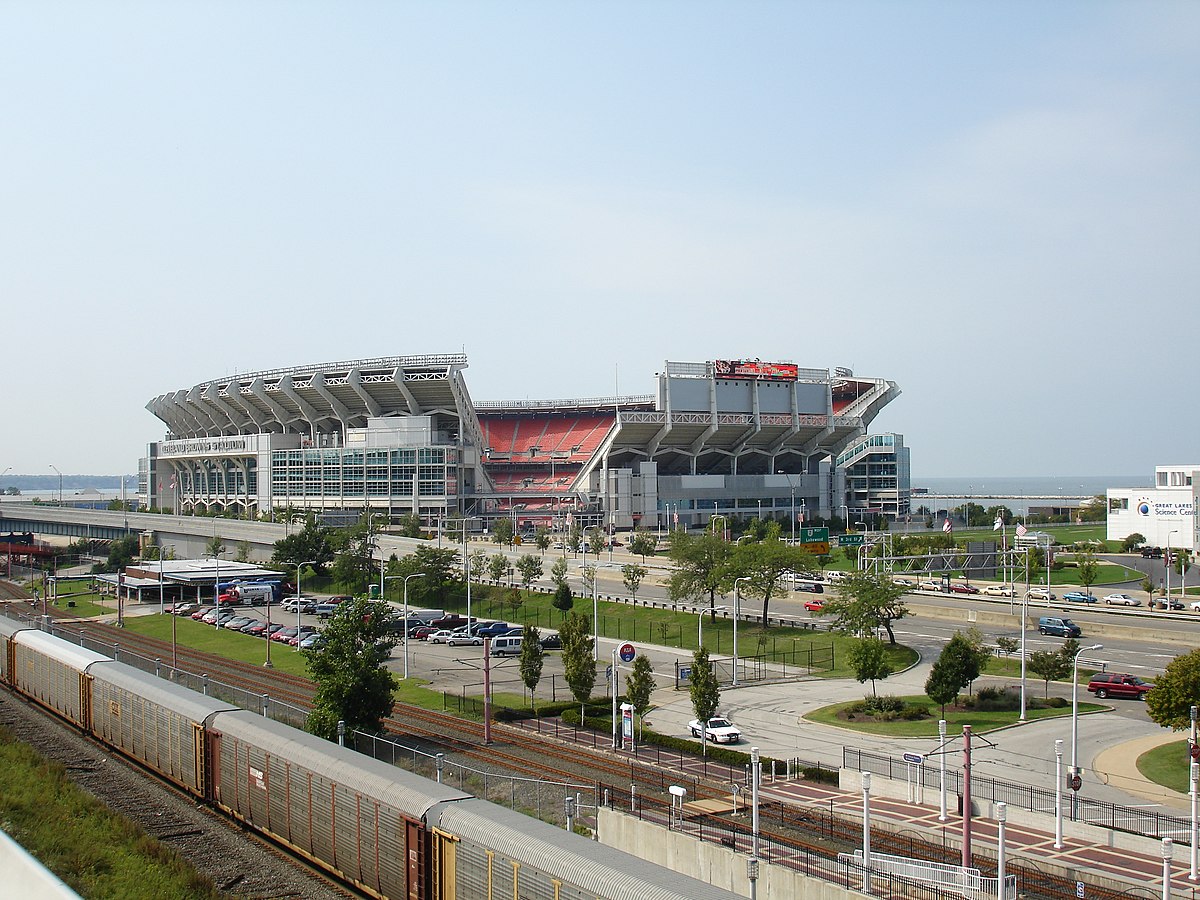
1117,685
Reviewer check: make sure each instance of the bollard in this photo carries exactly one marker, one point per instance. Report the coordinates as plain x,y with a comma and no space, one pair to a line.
341,731
439,761
204,685
265,700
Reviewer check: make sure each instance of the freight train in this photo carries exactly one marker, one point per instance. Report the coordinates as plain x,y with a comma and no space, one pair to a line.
388,832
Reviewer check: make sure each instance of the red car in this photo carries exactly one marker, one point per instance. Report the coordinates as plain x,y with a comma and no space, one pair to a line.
814,605
963,589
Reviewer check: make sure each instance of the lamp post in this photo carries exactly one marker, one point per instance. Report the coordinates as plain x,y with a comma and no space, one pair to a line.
845,515
217,591
700,624
755,766
299,567
1001,820
737,612
866,832
55,468
1169,560
1075,726
713,524
406,577
1058,828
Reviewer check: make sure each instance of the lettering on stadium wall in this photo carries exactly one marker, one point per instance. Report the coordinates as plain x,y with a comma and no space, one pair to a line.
203,446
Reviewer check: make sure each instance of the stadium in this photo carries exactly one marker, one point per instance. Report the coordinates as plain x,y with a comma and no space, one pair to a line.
402,435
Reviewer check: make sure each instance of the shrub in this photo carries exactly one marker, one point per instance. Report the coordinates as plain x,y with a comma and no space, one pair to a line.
885,703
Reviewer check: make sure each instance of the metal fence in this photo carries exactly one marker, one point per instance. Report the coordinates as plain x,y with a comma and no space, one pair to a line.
1130,819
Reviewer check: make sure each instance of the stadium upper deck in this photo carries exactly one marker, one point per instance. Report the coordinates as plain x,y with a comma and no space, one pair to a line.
402,434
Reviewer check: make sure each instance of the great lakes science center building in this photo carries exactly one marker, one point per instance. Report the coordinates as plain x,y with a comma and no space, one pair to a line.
402,436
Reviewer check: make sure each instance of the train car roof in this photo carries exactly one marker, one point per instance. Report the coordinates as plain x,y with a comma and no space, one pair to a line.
594,867
400,788
58,649
193,706
9,627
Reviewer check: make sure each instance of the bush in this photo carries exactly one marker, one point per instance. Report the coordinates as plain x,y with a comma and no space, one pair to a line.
990,699
886,703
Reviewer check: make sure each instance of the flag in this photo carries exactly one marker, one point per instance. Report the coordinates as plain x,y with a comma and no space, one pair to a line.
1021,531
946,526
998,524
675,517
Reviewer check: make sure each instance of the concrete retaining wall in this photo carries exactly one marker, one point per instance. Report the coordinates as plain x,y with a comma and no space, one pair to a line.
27,878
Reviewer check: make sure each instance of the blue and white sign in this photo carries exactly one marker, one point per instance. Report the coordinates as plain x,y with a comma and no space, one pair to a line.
914,758
627,652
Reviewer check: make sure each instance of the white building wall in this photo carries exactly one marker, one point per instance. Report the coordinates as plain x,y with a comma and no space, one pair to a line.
1165,515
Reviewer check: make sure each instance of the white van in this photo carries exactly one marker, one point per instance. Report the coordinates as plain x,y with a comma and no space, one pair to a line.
509,645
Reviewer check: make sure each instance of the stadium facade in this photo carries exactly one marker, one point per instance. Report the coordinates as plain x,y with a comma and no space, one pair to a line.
402,436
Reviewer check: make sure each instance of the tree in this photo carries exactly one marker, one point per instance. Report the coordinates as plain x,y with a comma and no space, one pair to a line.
121,553
502,531
868,659
410,526
639,686
579,665
353,684
574,538
632,576
354,548
1132,542
563,598
596,541
214,546
1048,666
541,538
441,575
531,660
310,544
767,564
497,566
1088,568
1007,645
642,543
589,579
956,667
242,554
1175,692
529,567
705,693
479,563
866,601
700,567
558,571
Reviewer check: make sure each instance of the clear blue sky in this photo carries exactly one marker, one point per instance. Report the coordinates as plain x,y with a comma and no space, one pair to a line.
993,204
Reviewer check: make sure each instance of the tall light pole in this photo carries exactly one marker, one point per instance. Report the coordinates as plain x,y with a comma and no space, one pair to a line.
700,624
55,468
737,612
217,591
406,577
299,567
1169,560
1075,725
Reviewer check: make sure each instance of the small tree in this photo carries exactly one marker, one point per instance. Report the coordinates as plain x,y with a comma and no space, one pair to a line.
579,665
868,659
1175,692
1132,542
353,684
632,576
531,660
563,598
502,531
1088,569
956,667
529,567
596,541
589,579
242,554
574,539
214,546
705,693
943,684
639,686
1048,666
558,571
1007,645
642,543
867,601
541,538
497,566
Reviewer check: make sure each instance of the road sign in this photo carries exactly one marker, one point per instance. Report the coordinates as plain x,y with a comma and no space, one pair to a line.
1195,751
816,548
916,758
1075,782
813,535
627,652
685,673
851,540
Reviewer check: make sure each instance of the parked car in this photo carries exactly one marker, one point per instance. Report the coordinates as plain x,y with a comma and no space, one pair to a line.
464,638
957,588
270,630
217,617
1000,590
1122,600
931,586
201,612
420,632
1040,593
492,629
237,623
185,609
256,628
1079,597
440,637
325,610
551,642
305,631
1165,603
719,730
1058,626
283,635
1152,552
814,605
311,641
1113,684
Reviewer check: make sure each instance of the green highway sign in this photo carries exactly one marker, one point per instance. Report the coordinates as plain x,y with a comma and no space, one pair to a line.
851,540
814,535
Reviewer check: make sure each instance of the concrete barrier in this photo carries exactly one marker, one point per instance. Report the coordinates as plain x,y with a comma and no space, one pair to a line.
27,878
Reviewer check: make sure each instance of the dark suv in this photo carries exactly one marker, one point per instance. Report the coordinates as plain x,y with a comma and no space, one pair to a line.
1117,685
1152,552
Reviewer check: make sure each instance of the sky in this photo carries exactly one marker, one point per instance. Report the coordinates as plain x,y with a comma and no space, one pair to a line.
994,205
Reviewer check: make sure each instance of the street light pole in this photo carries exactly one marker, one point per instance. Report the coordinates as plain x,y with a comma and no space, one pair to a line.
406,577
700,624
1169,560
1075,726
737,612
55,468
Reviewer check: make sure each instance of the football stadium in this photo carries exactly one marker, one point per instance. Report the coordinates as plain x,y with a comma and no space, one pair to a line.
402,435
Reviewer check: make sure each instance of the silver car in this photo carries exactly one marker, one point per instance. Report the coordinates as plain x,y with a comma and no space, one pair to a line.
1122,600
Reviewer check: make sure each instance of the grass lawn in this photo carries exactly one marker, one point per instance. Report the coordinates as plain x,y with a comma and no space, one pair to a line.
955,718
1006,667
220,641
97,852
1167,765
85,600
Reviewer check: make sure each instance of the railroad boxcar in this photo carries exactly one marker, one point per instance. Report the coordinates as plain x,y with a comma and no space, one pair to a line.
354,815
8,628
484,850
154,721
53,673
